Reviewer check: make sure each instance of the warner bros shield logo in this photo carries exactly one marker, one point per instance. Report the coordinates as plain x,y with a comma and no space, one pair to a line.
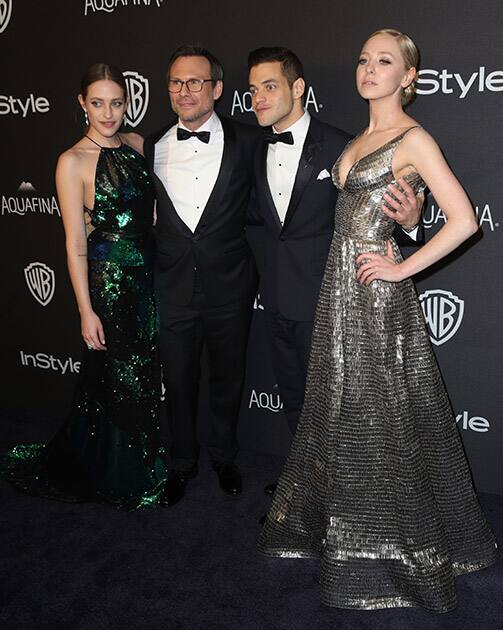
5,13
138,91
41,281
443,312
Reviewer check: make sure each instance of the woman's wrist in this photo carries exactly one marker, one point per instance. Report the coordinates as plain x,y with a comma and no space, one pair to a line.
86,310
405,271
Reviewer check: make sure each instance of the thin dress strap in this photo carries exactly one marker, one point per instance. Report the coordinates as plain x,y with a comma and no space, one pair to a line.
399,137
98,145
102,147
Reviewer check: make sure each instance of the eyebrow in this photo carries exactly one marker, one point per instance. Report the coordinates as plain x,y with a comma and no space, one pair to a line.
189,79
265,81
379,52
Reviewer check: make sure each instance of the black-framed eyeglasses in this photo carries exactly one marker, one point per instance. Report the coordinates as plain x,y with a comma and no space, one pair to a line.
193,85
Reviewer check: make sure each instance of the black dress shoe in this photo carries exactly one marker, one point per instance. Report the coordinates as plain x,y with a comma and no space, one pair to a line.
174,489
187,475
229,477
271,488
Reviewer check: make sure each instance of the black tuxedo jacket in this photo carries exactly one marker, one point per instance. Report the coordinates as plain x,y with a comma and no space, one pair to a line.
296,253
218,248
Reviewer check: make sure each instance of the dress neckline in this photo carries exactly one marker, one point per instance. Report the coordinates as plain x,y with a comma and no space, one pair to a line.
367,155
107,148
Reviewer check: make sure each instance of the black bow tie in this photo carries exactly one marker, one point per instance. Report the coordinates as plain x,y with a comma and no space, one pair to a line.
183,134
286,137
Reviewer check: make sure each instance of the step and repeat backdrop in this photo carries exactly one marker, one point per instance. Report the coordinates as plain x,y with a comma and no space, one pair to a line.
45,47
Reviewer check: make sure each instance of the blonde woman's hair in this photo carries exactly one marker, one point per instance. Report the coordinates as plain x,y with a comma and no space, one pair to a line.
410,56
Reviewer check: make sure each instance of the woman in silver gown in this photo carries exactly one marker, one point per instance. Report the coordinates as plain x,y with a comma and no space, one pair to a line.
376,483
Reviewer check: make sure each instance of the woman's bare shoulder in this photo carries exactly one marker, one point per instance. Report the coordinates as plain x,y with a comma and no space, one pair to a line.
418,137
77,161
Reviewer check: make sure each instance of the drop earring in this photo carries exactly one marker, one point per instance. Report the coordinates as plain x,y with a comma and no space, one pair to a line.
86,118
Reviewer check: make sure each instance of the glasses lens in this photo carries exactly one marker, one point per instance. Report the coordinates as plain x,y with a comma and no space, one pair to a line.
195,85
174,86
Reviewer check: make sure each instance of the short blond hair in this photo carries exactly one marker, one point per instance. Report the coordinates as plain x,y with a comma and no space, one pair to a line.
410,56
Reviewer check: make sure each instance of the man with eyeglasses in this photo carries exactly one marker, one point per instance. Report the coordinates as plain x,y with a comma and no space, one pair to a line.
206,275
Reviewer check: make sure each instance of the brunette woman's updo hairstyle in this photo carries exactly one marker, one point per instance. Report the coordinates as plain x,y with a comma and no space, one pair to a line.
410,56
100,72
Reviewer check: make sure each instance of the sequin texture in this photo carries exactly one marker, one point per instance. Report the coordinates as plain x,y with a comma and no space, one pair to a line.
108,449
376,483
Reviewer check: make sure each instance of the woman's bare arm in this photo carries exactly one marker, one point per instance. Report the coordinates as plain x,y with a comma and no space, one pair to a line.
70,187
420,150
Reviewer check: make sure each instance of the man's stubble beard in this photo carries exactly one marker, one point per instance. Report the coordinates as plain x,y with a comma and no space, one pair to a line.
197,115
287,110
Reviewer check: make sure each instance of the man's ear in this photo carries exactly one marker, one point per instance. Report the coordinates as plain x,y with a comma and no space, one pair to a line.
298,88
218,89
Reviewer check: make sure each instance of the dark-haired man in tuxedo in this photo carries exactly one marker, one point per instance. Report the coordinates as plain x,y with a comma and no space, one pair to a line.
206,276
296,199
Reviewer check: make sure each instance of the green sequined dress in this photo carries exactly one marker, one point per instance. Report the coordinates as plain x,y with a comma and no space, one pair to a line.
108,448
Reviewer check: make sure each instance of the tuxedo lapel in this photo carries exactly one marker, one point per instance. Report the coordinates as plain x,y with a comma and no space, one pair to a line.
223,177
311,148
263,183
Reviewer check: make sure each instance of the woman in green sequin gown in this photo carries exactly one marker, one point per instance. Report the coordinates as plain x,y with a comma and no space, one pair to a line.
108,448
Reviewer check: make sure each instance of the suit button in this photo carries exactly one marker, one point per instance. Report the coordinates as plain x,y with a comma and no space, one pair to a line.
195,237
282,238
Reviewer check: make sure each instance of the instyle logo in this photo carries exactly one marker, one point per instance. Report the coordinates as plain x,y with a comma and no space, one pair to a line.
434,215
433,81
265,400
242,102
27,201
41,281
23,106
138,91
472,423
443,312
109,6
5,13
49,362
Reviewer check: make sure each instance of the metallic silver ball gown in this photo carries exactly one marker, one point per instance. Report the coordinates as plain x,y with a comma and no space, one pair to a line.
376,483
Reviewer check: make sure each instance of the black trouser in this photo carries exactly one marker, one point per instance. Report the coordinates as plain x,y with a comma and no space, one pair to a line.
290,343
184,330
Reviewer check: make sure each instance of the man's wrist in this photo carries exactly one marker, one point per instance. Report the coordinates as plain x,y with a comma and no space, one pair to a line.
408,229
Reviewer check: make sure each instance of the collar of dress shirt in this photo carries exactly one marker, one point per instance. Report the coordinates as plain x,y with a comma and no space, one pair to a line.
212,125
298,129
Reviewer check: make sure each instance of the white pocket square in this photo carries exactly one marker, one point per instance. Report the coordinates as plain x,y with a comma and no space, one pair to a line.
323,174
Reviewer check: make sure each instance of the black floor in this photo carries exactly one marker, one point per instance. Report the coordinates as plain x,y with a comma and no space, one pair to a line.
193,566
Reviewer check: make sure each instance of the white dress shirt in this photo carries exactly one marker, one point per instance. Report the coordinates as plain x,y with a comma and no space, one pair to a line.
282,164
189,168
